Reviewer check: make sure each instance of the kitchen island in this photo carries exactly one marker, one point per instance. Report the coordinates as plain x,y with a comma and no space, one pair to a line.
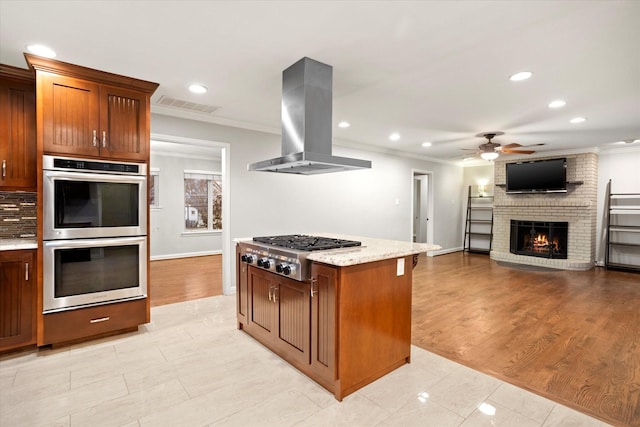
346,323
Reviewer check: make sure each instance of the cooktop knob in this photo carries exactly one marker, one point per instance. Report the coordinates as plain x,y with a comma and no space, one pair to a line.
264,263
287,270
280,268
247,258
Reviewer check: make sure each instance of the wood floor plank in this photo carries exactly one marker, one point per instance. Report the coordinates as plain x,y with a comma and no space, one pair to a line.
573,337
185,279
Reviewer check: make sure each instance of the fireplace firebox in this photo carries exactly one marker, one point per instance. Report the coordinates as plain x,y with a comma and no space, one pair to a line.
539,239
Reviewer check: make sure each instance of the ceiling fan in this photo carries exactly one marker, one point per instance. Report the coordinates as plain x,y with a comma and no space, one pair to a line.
491,150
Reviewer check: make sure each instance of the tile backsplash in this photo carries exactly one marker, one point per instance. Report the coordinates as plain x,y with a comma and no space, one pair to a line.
18,215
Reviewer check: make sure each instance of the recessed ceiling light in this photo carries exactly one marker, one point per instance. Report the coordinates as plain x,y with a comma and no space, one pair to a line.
198,88
426,144
394,136
558,103
343,125
577,120
41,50
636,140
523,75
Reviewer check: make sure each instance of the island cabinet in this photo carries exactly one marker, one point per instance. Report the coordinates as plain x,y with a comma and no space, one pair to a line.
17,129
278,314
85,112
17,299
344,328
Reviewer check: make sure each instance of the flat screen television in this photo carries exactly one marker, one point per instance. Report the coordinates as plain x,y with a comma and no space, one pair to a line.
539,176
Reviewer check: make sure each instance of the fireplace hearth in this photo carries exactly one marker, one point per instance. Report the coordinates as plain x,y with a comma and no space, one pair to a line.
539,239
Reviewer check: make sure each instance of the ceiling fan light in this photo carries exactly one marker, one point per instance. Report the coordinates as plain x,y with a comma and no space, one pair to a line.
489,155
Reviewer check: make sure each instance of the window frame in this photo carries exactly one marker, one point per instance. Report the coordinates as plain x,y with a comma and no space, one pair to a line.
213,177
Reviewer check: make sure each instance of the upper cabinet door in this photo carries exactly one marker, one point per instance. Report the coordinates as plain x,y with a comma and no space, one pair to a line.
87,112
123,123
17,135
70,115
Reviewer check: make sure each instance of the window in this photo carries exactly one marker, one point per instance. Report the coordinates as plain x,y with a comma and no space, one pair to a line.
202,201
154,188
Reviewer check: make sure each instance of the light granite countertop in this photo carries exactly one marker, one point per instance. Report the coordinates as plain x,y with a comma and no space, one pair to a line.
372,249
17,244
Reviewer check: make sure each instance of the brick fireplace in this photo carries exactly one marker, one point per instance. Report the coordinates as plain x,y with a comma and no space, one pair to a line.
577,207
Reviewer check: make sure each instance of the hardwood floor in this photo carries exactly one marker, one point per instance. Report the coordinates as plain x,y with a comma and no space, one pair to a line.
573,337
184,279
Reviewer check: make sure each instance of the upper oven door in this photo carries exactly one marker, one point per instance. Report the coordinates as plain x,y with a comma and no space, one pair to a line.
90,205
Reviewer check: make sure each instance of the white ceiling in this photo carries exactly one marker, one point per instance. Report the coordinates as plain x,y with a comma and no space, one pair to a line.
430,70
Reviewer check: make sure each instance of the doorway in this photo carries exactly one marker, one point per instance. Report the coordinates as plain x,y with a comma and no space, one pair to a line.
422,207
176,245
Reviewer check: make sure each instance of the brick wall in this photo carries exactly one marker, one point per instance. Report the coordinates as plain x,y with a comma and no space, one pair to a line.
18,215
578,207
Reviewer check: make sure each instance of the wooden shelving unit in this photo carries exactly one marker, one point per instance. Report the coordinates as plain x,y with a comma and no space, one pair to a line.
478,232
623,231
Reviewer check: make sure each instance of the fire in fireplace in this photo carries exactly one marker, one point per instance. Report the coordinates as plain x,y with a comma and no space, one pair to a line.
539,239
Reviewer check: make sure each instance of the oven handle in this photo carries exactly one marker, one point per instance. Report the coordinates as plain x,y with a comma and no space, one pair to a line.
95,177
92,243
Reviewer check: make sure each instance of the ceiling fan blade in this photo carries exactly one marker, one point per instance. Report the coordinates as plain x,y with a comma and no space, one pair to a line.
512,145
518,151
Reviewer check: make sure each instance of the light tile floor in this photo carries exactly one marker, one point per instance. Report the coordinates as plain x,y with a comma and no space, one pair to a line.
191,367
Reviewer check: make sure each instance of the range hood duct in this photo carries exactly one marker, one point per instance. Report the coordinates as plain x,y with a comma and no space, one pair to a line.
306,124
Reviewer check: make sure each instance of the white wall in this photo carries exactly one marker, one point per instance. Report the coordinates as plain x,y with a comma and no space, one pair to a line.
623,168
356,203
167,236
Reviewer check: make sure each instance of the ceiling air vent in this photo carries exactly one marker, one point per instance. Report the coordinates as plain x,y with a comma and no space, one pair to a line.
180,104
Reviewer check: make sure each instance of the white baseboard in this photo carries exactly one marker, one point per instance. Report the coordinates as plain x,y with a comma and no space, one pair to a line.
183,255
444,251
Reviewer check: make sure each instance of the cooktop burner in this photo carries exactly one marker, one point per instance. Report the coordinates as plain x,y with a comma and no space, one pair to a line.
301,242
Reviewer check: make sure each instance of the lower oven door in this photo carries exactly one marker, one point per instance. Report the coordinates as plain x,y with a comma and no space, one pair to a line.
85,272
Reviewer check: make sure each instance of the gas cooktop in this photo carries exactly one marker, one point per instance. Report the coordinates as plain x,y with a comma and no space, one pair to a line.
301,242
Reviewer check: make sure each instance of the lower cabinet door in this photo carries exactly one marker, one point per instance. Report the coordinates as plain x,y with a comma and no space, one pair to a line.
17,298
261,312
323,322
279,314
293,318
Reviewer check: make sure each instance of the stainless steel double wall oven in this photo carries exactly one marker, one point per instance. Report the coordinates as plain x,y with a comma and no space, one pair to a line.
94,232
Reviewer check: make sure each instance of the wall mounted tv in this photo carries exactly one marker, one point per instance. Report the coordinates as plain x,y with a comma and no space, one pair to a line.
539,176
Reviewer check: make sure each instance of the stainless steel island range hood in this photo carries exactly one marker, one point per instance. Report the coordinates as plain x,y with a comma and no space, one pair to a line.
306,124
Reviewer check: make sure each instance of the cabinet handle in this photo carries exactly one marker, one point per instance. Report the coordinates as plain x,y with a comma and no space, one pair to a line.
270,287
275,294
95,138
313,282
104,139
100,319
4,168
26,271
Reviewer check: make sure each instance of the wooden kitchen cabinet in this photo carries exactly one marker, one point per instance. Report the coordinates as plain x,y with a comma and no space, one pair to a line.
323,323
279,314
100,320
17,299
242,275
80,117
86,112
344,328
17,129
